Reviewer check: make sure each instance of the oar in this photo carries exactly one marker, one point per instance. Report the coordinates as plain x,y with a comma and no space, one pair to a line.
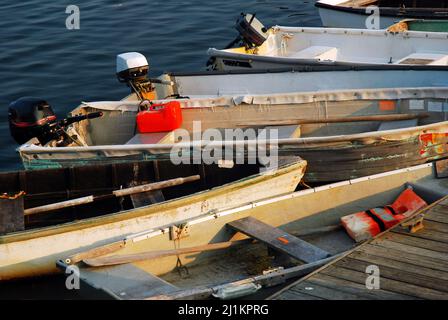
116,193
387,117
148,255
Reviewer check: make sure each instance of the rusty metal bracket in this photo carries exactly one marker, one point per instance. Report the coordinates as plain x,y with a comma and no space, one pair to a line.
180,231
415,224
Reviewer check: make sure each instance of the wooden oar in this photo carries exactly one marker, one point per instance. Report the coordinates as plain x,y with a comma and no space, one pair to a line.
387,117
116,193
148,255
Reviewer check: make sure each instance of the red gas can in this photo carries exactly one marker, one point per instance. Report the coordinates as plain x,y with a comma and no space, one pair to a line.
160,118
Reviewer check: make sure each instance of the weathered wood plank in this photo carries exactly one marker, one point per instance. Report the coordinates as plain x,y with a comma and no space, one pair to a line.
295,295
438,214
360,289
427,234
403,275
416,242
313,288
410,249
436,226
387,284
279,239
405,257
441,218
402,265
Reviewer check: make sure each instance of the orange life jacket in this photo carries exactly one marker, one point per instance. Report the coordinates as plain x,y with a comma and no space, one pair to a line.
366,224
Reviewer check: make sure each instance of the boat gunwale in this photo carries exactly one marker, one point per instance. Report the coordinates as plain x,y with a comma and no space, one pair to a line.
152,208
415,13
306,69
384,135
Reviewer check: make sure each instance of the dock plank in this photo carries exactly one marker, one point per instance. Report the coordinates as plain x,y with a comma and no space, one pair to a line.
389,272
279,240
314,288
411,249
360,289
438,215
295,295
387,284
417,242
436,226
403,265
427,234
405,257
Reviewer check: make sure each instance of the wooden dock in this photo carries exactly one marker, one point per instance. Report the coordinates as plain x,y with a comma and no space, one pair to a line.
411,266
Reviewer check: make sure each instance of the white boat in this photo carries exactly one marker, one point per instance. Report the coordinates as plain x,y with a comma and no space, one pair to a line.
300,80
353,132
290,46
356,13
91,214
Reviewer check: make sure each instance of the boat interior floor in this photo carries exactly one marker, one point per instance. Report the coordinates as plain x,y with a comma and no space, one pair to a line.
242,262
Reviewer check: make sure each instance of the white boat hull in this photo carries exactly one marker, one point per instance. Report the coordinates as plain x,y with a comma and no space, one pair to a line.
292,47
35,252
341,19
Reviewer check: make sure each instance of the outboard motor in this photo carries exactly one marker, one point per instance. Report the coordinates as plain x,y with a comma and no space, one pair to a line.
31,117
132,68
252,33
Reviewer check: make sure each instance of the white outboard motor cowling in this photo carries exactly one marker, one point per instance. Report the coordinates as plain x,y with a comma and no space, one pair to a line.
132,66
132,69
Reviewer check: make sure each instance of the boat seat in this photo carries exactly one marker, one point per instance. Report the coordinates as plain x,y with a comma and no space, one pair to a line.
425,59
151,138
285,132
279,240
391,125
317,52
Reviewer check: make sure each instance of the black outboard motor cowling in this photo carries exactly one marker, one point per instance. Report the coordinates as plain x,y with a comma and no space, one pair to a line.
30,117
251,30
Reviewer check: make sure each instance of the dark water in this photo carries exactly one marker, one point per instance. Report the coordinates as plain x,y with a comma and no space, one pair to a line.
40,57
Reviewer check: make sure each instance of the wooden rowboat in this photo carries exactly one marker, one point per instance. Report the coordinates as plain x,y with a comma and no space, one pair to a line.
67,210
291,46
355,133
355,13
226,256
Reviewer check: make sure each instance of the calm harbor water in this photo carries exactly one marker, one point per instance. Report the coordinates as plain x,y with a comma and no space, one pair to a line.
40,57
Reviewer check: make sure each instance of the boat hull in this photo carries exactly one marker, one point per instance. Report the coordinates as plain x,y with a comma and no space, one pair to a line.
34,252
333,14
363,151
297,212
342,19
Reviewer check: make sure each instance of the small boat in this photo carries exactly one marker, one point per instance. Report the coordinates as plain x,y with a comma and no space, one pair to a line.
48,214
419,25
354,132
291,46
355,13
298,79
227,256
